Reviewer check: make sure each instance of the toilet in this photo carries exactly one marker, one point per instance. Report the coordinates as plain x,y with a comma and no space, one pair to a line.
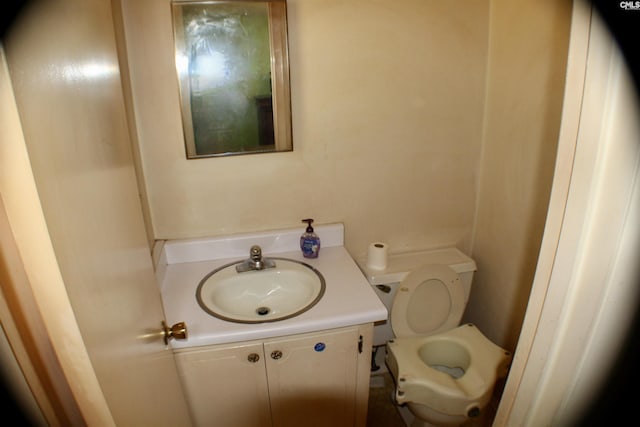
444,372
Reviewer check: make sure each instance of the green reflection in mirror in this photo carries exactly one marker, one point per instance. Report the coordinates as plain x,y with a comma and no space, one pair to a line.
224,53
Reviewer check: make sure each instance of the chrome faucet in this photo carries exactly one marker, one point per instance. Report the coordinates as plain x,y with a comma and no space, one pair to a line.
255,261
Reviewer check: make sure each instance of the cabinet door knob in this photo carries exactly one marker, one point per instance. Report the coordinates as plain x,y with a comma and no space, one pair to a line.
253,357
276,354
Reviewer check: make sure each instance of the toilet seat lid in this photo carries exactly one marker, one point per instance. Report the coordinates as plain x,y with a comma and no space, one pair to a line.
429,300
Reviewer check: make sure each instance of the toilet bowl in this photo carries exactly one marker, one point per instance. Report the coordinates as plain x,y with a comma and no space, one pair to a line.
444,372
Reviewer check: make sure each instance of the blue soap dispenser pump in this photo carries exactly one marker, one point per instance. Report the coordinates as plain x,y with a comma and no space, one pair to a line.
309,241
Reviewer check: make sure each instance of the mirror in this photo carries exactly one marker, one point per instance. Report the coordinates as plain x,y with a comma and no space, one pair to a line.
233,71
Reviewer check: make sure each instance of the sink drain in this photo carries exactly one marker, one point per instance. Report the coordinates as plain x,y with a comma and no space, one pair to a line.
263,311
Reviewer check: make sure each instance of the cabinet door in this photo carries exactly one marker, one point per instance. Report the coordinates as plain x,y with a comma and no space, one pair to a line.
226,386
312,379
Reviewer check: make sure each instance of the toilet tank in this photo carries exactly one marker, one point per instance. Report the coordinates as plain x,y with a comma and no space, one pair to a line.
399,265
385,282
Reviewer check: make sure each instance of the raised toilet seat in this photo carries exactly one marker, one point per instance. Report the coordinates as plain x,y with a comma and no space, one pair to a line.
425,371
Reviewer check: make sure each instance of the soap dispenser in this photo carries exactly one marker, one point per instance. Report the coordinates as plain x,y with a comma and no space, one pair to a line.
309,241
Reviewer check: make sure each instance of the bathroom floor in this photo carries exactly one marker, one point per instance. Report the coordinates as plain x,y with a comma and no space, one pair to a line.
382,412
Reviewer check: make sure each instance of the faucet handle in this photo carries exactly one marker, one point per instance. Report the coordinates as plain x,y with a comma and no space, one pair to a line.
255,253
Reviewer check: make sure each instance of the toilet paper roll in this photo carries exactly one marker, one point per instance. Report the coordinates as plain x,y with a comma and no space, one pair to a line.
377,256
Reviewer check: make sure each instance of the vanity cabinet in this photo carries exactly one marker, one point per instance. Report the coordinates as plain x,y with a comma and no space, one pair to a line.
313,379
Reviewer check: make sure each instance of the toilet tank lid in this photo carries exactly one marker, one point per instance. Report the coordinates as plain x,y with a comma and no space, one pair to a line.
399,265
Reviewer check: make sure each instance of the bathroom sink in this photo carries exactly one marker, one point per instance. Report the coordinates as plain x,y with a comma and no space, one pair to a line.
282,291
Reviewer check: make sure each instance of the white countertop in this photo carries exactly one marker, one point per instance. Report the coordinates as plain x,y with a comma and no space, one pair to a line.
348,300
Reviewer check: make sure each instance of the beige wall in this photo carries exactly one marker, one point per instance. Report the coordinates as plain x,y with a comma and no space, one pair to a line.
528,47
387,102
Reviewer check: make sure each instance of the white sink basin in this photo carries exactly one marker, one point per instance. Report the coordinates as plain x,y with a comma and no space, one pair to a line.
257,296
